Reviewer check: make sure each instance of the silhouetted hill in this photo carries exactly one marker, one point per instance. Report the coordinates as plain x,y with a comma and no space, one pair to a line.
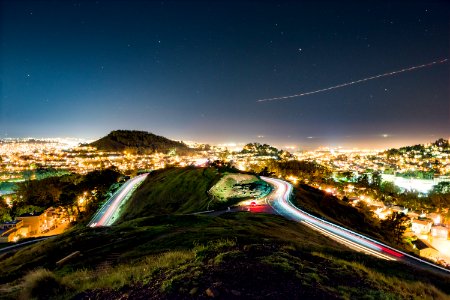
441,145
258,149
138,141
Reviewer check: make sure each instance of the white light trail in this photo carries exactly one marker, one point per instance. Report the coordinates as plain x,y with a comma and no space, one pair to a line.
355,82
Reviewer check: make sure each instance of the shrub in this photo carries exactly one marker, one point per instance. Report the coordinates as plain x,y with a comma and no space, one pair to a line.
42,284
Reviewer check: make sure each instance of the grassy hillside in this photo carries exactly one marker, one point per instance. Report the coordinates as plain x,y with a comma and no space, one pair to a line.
234,255
321,204
140,141
237,254
172,190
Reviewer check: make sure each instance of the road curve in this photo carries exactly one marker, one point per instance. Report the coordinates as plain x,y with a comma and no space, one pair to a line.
279,199
109,212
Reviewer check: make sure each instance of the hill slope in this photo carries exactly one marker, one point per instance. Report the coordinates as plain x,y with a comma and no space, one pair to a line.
133,140
170,191
188,190
184,257
190,256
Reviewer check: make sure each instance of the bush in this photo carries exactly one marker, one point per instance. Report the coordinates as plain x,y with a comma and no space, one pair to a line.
42,284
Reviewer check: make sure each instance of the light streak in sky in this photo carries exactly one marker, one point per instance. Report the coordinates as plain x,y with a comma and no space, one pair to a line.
356,81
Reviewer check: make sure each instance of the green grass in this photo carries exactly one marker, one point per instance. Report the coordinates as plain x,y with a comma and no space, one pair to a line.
174,256
140,271
239,186
189,190
42,284
172,191
321,204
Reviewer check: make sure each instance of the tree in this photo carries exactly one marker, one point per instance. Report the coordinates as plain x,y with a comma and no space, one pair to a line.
265,172
376,180
389,188
439,201
363,181
394,226
5,215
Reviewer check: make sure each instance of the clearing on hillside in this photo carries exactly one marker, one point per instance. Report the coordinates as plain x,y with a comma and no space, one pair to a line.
238,186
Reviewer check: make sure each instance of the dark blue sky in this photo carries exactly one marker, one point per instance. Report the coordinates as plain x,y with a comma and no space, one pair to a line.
194,70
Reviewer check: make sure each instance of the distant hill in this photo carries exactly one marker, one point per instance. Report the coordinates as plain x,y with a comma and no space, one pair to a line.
441,145
258,149
138,141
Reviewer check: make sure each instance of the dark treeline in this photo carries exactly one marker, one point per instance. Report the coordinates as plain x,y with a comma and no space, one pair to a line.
306,171
64,191
258,149
409,150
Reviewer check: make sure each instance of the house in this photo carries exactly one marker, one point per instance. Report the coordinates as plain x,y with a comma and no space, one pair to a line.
435,217
413,214
421,226
399,209
426,250
36,221
439,231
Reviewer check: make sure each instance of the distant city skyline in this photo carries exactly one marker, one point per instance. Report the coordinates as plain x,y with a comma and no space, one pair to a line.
195,70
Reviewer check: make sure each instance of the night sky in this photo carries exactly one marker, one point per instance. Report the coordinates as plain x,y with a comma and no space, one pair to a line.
195,70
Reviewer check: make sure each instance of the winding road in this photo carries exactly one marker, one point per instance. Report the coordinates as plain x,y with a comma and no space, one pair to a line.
110,211
279,200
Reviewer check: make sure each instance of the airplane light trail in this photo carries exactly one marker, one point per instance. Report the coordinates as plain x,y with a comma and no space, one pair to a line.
355,82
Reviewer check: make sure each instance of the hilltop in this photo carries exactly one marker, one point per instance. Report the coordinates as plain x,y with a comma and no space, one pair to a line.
156,252
137,141
258,149
189,190
172,191
425,150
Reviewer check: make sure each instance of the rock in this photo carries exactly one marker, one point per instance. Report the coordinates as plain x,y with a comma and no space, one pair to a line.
212,292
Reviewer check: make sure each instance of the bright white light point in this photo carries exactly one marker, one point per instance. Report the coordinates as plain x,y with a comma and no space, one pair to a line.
385,135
